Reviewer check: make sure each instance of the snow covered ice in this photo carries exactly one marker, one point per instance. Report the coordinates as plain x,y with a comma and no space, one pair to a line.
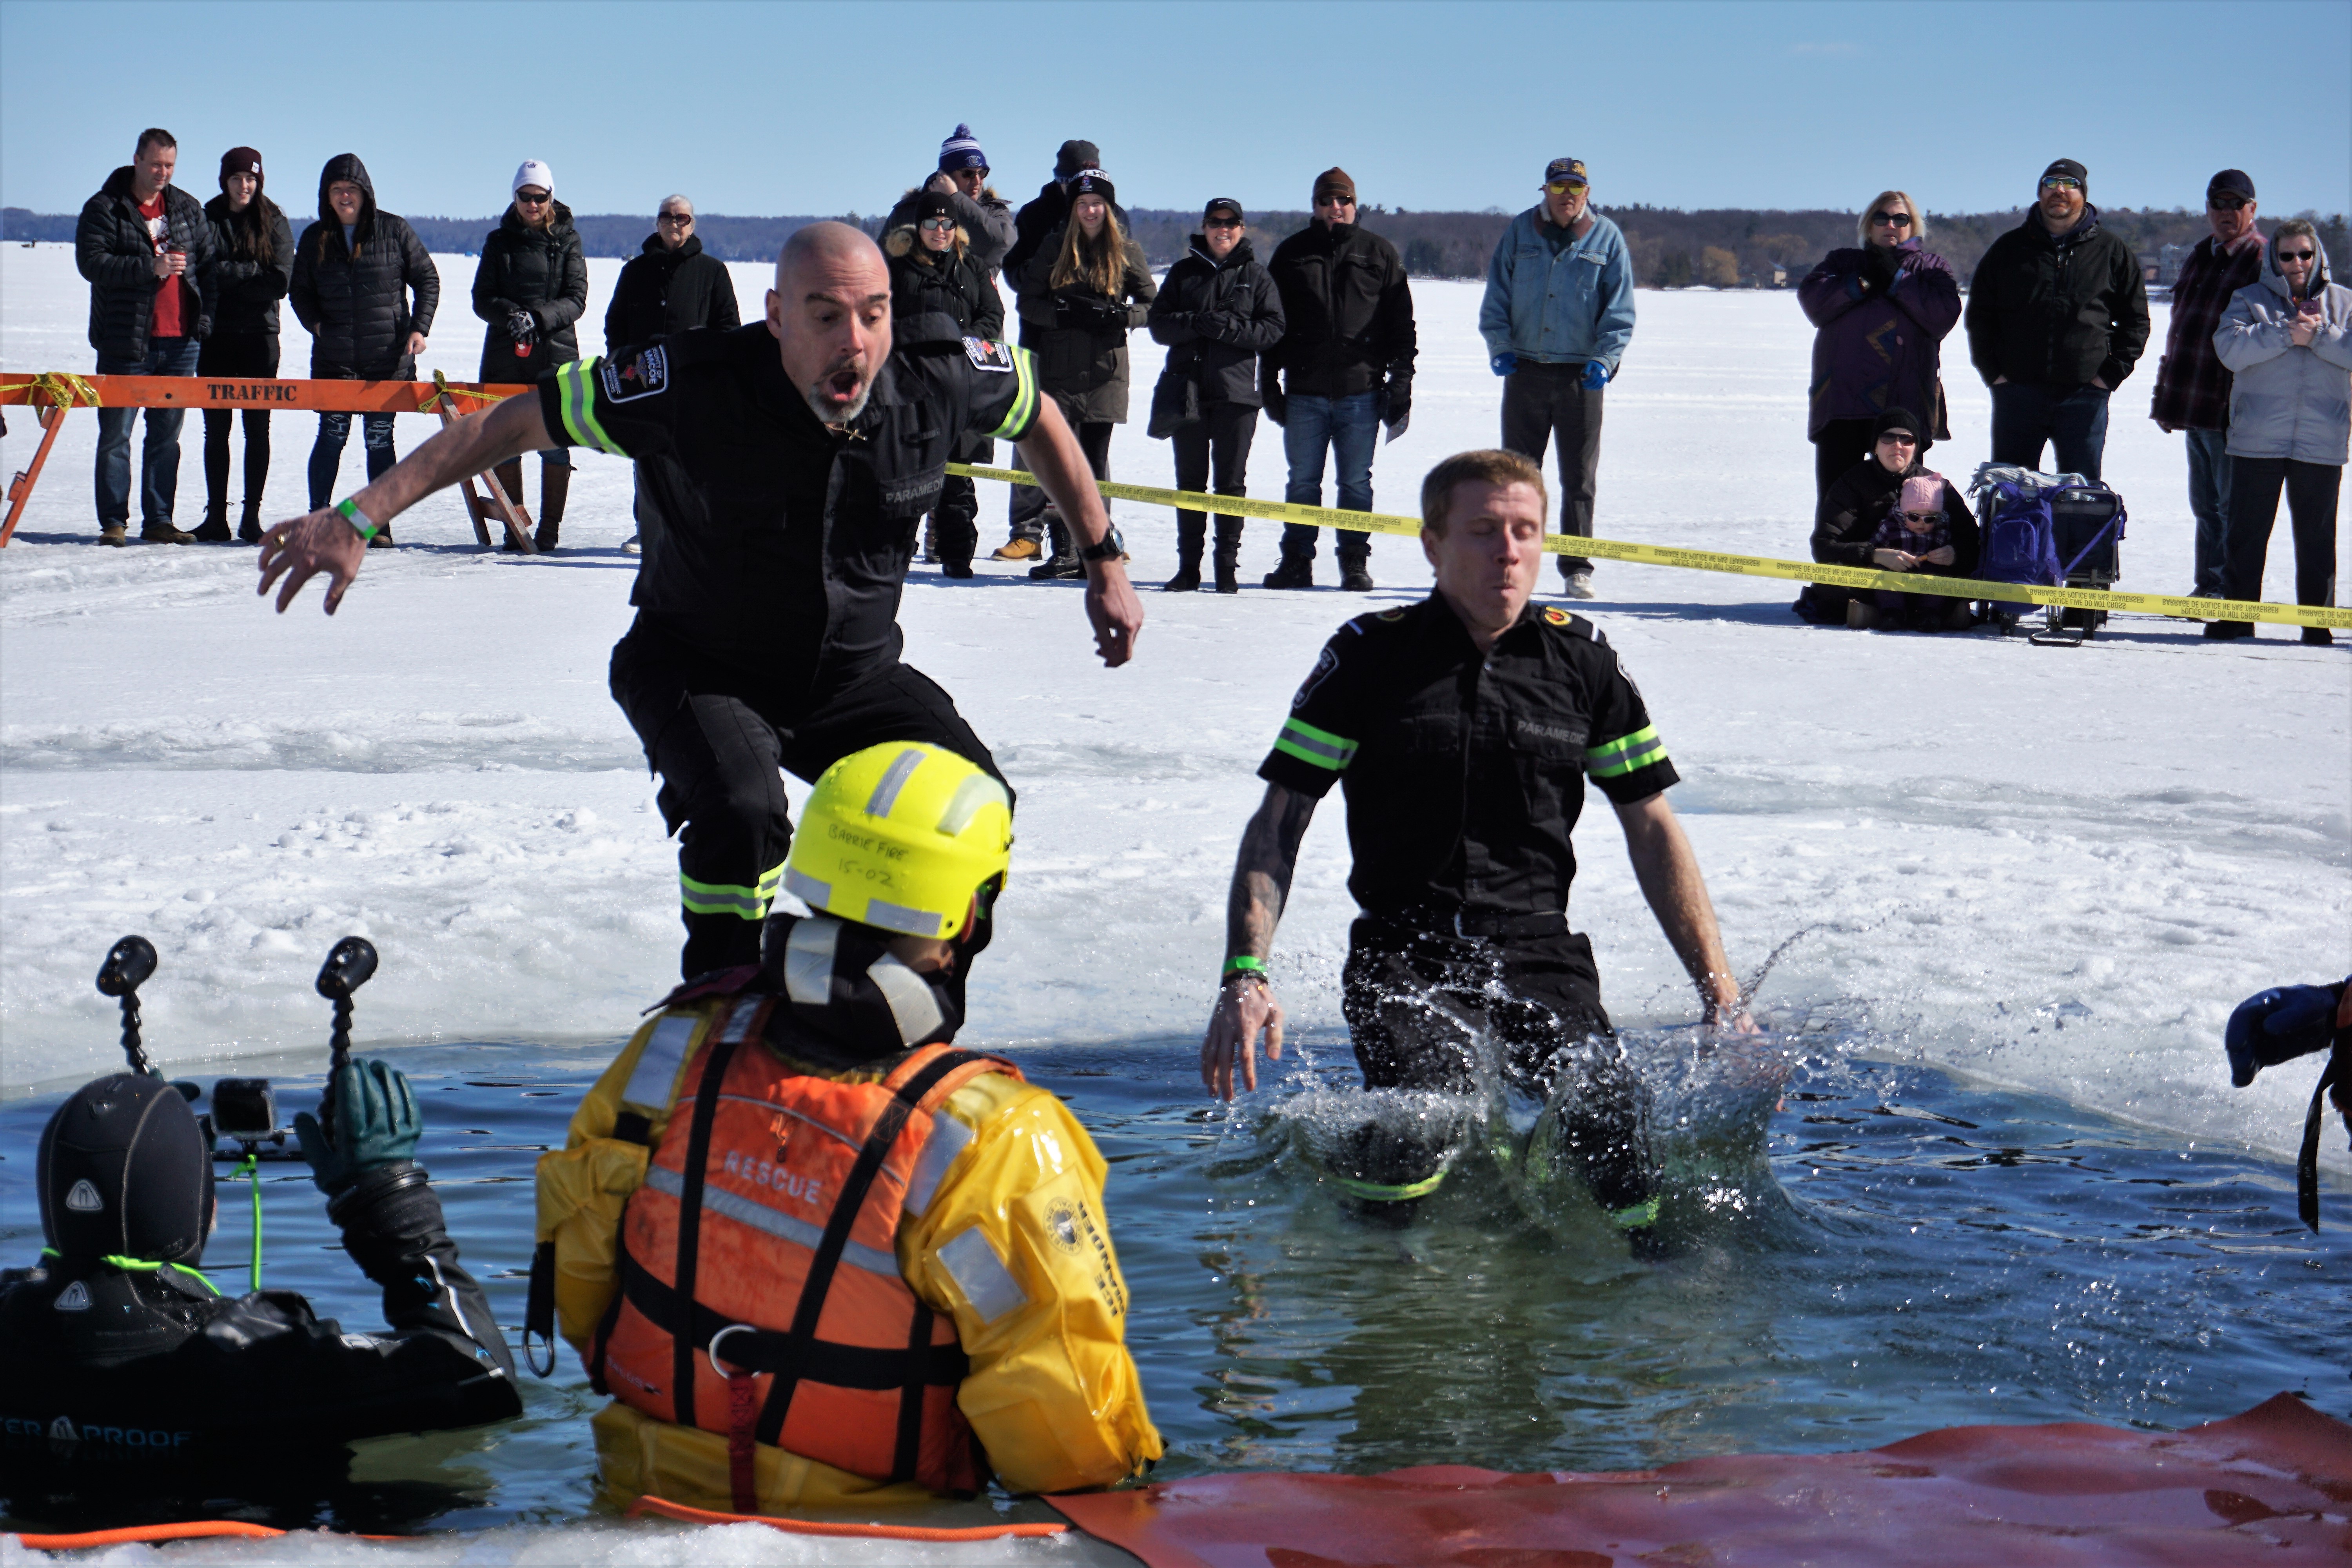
2052,868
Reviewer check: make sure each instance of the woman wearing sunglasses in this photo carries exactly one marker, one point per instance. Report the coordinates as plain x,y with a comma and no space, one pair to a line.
2284,341
939,292
1881,309
531,285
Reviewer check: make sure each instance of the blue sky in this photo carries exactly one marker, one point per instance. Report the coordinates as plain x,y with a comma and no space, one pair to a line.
764,109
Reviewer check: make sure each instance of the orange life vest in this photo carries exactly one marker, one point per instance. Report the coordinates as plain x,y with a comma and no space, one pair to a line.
759,1293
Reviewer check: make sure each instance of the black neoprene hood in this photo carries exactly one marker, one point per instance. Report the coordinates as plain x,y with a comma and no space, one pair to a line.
123,1172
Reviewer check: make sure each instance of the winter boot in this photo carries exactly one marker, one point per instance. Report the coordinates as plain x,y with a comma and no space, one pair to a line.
165,533
1355,577
1862,618
1229,554
1296,571
248,524
1020,547
1191,532
554,486
1064,564
214,530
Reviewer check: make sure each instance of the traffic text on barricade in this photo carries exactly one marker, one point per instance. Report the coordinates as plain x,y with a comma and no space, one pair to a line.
52,393
1738,565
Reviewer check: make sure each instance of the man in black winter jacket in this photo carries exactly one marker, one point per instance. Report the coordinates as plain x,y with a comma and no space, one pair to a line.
2057,316
355,271
127,1378
1217,312
1343,368
147,250
670,286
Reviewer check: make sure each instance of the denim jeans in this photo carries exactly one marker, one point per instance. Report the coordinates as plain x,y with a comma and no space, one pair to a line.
1348,427
2073,422
2209,502
327,452
158,458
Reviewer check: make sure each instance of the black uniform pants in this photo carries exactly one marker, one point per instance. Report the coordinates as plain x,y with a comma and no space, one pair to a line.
1219,440
718,733
1546,405
1415,999
2311,491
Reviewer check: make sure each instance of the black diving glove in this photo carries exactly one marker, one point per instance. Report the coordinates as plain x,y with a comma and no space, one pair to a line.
2278,1025
377,1123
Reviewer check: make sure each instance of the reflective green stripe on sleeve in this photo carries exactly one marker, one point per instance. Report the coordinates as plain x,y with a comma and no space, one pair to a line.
1320,747
730,898
1024,412
1624,754
1386,1193
576,395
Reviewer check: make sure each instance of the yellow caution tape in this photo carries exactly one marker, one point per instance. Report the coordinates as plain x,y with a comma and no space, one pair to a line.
1738,565
442,390
62,388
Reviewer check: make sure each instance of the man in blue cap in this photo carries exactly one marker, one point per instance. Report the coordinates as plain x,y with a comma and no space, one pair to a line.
963,177
1558,314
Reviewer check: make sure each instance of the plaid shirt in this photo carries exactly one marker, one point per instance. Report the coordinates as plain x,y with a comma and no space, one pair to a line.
2192,389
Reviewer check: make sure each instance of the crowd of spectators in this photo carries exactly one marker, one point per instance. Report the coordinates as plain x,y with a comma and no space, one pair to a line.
1321,337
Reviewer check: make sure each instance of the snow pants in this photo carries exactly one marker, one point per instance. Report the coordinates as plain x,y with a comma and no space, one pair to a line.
1416,999
720,735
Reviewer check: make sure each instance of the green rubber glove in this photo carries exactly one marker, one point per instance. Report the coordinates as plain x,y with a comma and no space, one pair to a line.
377,1123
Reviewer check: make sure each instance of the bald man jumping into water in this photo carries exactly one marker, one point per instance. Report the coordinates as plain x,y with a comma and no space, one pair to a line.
790,460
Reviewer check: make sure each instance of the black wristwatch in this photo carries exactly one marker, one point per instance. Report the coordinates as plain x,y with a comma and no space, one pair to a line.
1111,548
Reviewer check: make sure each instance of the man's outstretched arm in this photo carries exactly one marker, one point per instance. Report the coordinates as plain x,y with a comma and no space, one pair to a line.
1246,1004
325,541
1668,871
1051,451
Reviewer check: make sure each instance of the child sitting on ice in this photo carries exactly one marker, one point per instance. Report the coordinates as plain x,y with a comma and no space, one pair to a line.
1916,536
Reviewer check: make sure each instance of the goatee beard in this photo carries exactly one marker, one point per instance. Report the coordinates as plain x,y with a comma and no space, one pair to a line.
828,415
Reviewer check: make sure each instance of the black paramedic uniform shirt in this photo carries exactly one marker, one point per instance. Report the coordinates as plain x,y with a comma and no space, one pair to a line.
1464,775
785,546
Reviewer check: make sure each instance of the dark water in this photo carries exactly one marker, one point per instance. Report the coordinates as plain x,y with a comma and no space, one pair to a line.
1861,1252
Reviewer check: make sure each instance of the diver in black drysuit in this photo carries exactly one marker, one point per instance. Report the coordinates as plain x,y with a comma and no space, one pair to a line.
126,1377
2278,1025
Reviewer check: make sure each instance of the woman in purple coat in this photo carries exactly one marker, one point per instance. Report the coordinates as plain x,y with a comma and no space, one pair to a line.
1882,311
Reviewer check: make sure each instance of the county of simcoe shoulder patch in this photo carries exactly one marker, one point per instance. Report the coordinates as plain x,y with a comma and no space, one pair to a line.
1392,615
988,354
1555,616
642,374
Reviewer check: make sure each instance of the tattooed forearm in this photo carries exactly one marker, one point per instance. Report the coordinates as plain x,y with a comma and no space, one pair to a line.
1262,871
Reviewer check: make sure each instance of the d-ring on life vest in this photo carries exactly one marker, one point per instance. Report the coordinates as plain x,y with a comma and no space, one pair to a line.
769,1215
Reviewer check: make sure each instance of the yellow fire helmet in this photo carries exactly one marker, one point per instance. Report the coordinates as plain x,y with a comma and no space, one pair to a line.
900,837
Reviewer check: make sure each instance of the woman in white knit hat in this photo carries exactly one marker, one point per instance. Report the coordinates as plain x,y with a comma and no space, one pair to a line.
531,285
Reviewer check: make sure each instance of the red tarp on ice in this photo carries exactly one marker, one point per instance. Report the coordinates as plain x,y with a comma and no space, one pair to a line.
2272,1486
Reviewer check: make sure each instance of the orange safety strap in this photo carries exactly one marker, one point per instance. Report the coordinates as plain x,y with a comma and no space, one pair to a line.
665,1509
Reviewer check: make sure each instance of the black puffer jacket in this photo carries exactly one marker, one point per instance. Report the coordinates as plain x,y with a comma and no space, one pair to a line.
1082,357
952,284
1849,516
987,222
248,290
542,270
662,292
2057,311
1216,318
1347,312
357,308
114,251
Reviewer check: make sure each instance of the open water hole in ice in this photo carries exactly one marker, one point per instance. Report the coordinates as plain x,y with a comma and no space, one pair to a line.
1862,1250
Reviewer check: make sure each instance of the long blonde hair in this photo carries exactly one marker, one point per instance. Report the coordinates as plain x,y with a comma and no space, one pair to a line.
1878,203
1099,263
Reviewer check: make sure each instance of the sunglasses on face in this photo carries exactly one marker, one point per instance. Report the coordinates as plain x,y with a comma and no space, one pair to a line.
527,199
1892,220
1221,223
2226,203
1923,517
1562,187
676,218
2061,182
2296,255
939,224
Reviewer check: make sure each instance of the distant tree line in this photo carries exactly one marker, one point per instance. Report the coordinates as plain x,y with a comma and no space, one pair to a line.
1726,247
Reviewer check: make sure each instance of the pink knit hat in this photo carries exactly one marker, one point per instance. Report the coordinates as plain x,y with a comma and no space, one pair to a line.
1924,492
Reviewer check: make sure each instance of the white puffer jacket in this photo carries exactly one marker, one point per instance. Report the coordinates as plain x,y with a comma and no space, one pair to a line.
2288,401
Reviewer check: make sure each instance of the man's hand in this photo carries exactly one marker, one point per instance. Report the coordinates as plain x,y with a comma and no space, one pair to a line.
1893,559
415,345
300,550
1115,614
1245,1007
171,264
940,182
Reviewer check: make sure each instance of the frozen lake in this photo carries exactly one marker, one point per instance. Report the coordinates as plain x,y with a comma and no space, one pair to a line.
2039,876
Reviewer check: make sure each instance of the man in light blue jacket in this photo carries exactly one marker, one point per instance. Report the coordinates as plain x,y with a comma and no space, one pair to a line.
1558,314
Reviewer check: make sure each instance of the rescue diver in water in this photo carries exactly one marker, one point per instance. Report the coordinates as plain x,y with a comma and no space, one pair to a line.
1462,729
118,1359
2279,1025
816,1254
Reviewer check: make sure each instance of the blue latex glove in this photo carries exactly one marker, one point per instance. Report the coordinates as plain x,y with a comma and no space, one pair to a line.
2278,1025
1503,363
1596,376
377,1123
